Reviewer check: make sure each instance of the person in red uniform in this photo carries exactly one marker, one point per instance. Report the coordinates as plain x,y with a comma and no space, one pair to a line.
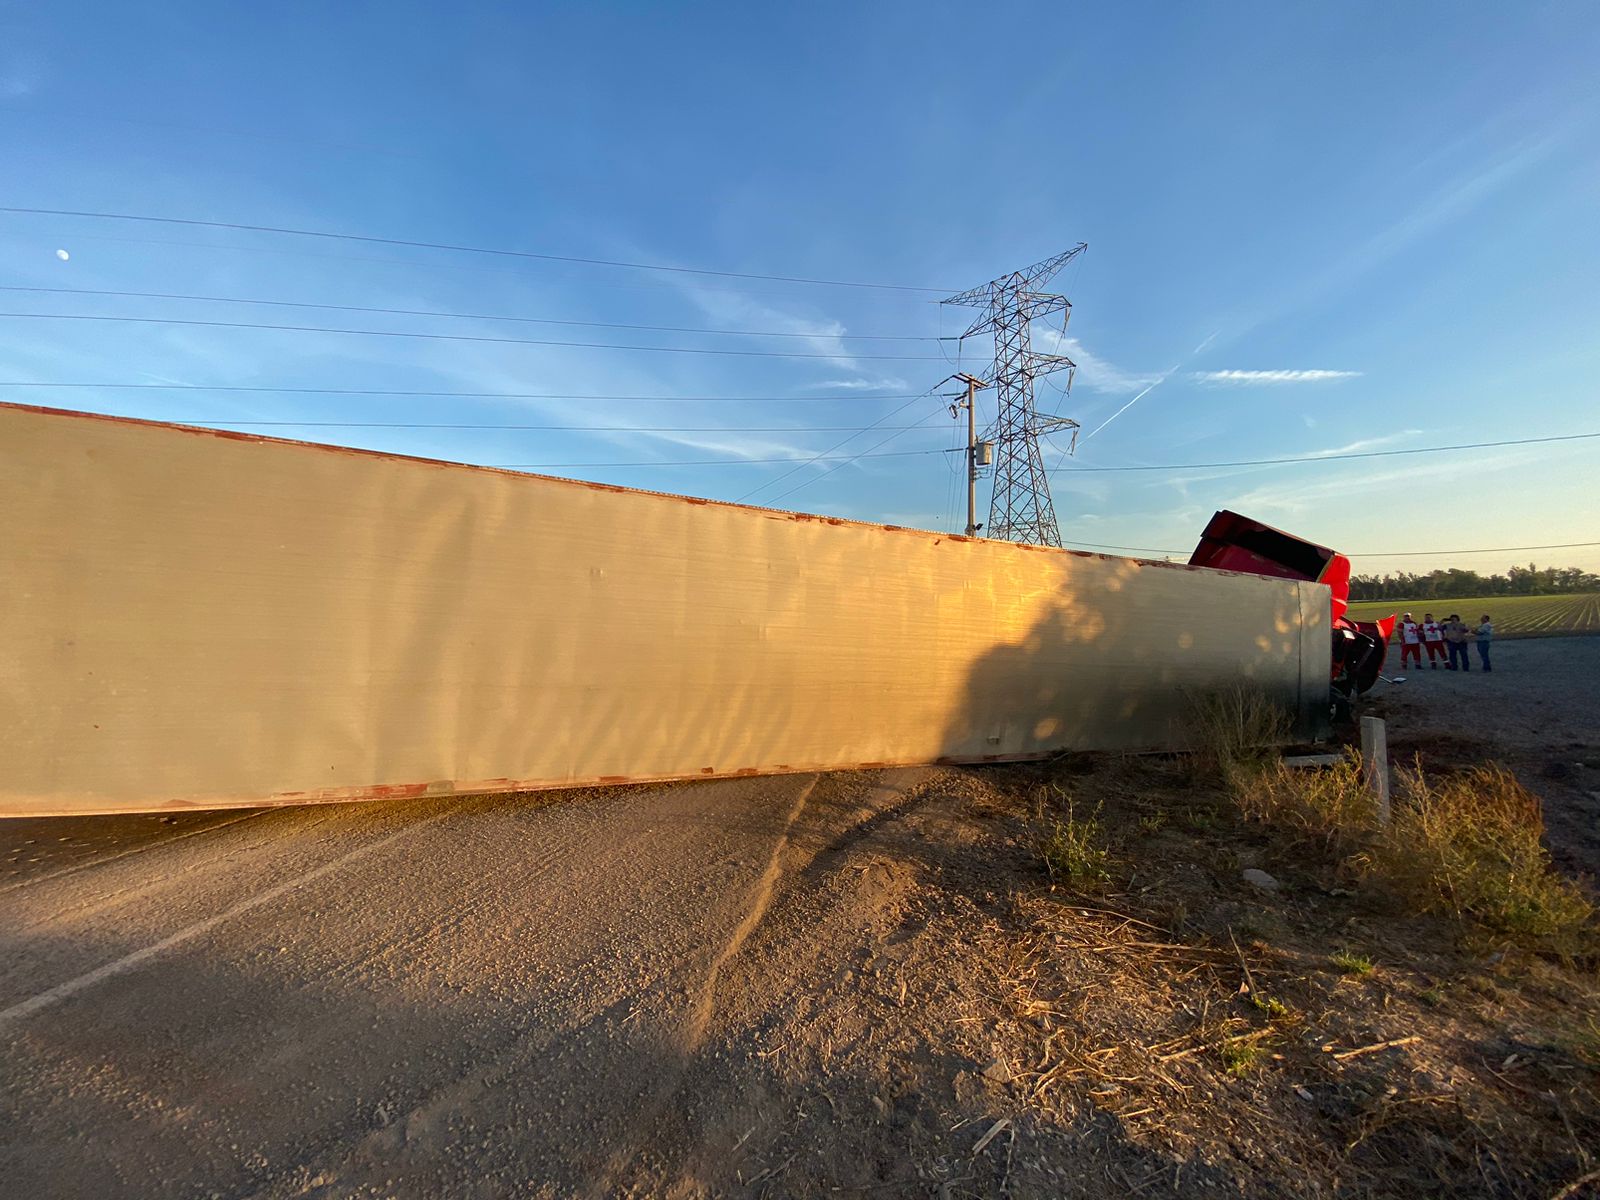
1410,641
1433,639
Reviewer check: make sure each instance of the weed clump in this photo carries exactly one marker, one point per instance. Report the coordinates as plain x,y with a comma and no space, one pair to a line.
1071,847
1236,731
1332,805
1470,845
1273,1008
1152,823
1351,963
1240,1057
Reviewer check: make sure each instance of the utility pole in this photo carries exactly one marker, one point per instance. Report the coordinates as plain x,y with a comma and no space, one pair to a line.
1020,507
978,453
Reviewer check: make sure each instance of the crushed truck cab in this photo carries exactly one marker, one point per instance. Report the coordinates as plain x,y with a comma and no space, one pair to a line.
1232,542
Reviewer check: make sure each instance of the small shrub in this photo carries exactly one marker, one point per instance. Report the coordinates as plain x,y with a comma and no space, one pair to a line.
1469,845
1071,851
1352,963
1198,819
1152,823
1236,730
1274,1009
1241,1056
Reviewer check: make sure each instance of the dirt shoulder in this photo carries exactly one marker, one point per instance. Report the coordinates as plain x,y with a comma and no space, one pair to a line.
922,1013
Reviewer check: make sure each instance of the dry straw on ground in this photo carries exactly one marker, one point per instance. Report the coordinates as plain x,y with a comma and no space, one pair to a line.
1350,1034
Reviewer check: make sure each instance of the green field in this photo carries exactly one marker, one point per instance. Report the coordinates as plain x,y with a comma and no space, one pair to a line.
1514,616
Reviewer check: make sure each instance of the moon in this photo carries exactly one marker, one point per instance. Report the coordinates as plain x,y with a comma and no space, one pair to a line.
63,255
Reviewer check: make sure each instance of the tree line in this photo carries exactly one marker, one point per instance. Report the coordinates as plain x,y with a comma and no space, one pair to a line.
1453,583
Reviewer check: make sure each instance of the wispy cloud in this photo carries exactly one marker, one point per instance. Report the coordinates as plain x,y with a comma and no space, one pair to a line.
19,77
489,371
1303,496
887,384
1094,372
1454,199
1269,378
1182,482
1372,443
821,335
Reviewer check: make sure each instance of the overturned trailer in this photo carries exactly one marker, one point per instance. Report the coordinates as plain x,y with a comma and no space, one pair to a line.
198,619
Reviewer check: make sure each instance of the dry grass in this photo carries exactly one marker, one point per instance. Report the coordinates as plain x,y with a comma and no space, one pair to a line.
1236,730
1334,1087
1467,845
1332,805
1253,1038
1471,846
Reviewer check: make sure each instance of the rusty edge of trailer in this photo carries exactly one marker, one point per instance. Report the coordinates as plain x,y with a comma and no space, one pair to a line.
492,787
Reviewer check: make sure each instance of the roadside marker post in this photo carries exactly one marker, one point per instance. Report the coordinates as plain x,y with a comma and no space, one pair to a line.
1375,762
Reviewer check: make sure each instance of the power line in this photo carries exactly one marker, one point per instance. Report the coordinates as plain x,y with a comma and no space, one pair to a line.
311,391
1371,553
462,249
711,462
841,442
1311,458
464,337
1266,462
707,462
421,312
869,452
439,265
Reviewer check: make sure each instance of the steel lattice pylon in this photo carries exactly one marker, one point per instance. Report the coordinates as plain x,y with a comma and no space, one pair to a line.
1020,508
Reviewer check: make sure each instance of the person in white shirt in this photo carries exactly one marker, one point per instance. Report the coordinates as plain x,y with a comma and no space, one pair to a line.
1410,641
1433,639
1485,633
1455,636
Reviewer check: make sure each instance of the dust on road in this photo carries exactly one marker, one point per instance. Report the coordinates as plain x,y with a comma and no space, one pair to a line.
802,985
468,996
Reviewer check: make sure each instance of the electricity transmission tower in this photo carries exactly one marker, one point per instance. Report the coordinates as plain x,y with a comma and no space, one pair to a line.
1020,508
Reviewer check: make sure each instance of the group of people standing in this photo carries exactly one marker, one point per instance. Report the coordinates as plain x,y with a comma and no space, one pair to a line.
1445,639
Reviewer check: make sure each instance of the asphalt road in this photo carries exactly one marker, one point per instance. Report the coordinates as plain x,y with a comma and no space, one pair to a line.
468,997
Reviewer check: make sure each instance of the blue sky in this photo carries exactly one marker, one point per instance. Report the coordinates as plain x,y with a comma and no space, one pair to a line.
1312,228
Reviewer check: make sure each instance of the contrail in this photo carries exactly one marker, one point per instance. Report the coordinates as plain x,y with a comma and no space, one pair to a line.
1128,405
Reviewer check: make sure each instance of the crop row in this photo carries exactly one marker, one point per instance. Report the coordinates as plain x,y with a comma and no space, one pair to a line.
1514,616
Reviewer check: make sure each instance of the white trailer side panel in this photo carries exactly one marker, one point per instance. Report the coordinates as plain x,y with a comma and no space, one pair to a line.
197,619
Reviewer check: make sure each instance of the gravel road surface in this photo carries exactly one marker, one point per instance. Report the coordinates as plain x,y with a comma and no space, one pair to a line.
480,996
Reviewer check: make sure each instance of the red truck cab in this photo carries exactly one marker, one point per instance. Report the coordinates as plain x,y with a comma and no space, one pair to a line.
1232,542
